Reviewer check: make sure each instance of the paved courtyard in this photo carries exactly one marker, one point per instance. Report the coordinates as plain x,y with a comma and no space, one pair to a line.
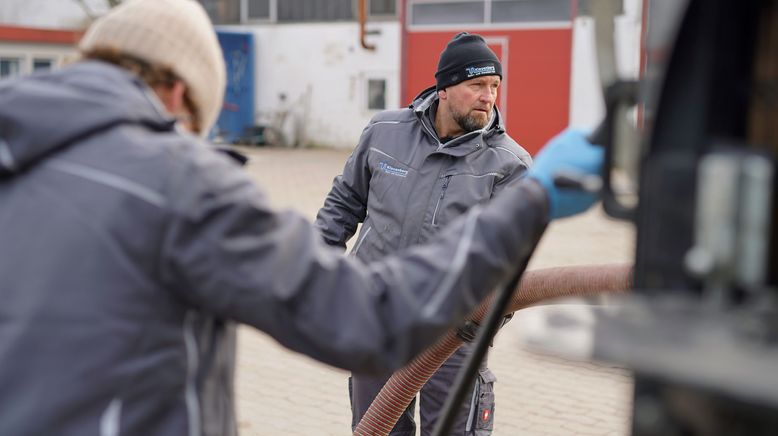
283,393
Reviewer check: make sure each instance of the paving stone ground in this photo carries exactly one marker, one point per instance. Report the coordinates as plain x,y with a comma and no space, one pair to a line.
284,393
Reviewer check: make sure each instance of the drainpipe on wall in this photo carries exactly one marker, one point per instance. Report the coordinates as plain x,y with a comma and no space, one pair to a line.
362,21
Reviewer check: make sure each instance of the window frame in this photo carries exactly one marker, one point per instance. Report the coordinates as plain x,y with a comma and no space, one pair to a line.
385,93
412,3
380,17
487,23
273,16
20,65
51,61
272,9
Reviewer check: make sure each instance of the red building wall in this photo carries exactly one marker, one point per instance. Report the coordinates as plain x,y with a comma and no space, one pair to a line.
35,35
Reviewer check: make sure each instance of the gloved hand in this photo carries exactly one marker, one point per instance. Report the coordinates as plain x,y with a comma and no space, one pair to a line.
570,153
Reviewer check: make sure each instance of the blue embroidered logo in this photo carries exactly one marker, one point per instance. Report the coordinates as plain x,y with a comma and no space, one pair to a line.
388,169
480,71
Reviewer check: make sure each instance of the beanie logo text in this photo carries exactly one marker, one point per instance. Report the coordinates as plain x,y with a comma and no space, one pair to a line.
480,71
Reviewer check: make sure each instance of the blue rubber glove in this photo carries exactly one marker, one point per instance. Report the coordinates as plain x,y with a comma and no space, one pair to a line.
570,153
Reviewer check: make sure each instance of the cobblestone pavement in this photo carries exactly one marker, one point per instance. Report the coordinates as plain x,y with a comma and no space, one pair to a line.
283,393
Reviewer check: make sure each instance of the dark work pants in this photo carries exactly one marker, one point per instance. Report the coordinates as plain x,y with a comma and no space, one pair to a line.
475,416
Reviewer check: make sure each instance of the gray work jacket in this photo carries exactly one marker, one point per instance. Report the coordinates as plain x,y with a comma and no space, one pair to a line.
405,185
128,250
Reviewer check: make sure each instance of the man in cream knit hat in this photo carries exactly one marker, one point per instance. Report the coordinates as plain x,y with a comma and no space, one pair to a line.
176,39
130,248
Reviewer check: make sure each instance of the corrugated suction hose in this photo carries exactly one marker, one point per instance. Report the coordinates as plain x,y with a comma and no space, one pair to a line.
535,287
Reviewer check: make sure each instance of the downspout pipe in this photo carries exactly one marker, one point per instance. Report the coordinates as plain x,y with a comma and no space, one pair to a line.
362,23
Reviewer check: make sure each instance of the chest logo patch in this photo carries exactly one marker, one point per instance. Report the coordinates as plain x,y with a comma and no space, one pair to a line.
388,169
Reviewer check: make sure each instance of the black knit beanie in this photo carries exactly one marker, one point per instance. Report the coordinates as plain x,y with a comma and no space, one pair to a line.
466,56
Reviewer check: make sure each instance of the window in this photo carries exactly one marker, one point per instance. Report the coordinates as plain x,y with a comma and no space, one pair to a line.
10,67
376,94
485,12
222,11
469,12
382,8
315,10
293,11
258,9
40,64
518,11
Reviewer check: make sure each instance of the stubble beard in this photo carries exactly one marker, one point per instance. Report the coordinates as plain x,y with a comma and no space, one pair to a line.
468,121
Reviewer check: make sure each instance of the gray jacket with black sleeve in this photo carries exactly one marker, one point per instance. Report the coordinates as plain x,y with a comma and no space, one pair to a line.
404,184
129,250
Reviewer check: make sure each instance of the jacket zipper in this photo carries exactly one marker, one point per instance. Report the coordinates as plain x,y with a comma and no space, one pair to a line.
440,199
434,136
440,144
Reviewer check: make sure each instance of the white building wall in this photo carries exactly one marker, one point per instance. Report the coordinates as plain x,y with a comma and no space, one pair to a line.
586,104
318,73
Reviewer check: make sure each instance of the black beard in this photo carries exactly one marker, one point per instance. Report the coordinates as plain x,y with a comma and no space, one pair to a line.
469,123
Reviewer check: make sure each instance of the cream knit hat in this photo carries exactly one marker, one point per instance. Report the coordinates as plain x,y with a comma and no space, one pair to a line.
176,34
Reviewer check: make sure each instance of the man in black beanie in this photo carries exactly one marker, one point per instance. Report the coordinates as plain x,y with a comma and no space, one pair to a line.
466,58
413,171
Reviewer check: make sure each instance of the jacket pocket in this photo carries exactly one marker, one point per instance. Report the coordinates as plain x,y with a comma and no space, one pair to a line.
387,175
443,190
482,417
458,193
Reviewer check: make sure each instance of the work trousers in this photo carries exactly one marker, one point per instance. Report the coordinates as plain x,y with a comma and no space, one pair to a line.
476,414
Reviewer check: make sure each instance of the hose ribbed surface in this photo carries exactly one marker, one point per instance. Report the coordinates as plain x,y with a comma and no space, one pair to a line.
535,287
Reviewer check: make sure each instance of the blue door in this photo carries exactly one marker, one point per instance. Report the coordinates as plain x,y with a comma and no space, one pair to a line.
237,114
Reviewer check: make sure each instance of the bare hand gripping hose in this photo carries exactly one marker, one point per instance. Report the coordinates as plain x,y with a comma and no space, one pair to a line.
535,287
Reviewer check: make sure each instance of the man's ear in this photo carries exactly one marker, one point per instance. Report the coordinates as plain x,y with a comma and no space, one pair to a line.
442,94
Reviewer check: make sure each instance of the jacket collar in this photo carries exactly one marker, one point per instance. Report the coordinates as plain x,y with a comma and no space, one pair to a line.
424,107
